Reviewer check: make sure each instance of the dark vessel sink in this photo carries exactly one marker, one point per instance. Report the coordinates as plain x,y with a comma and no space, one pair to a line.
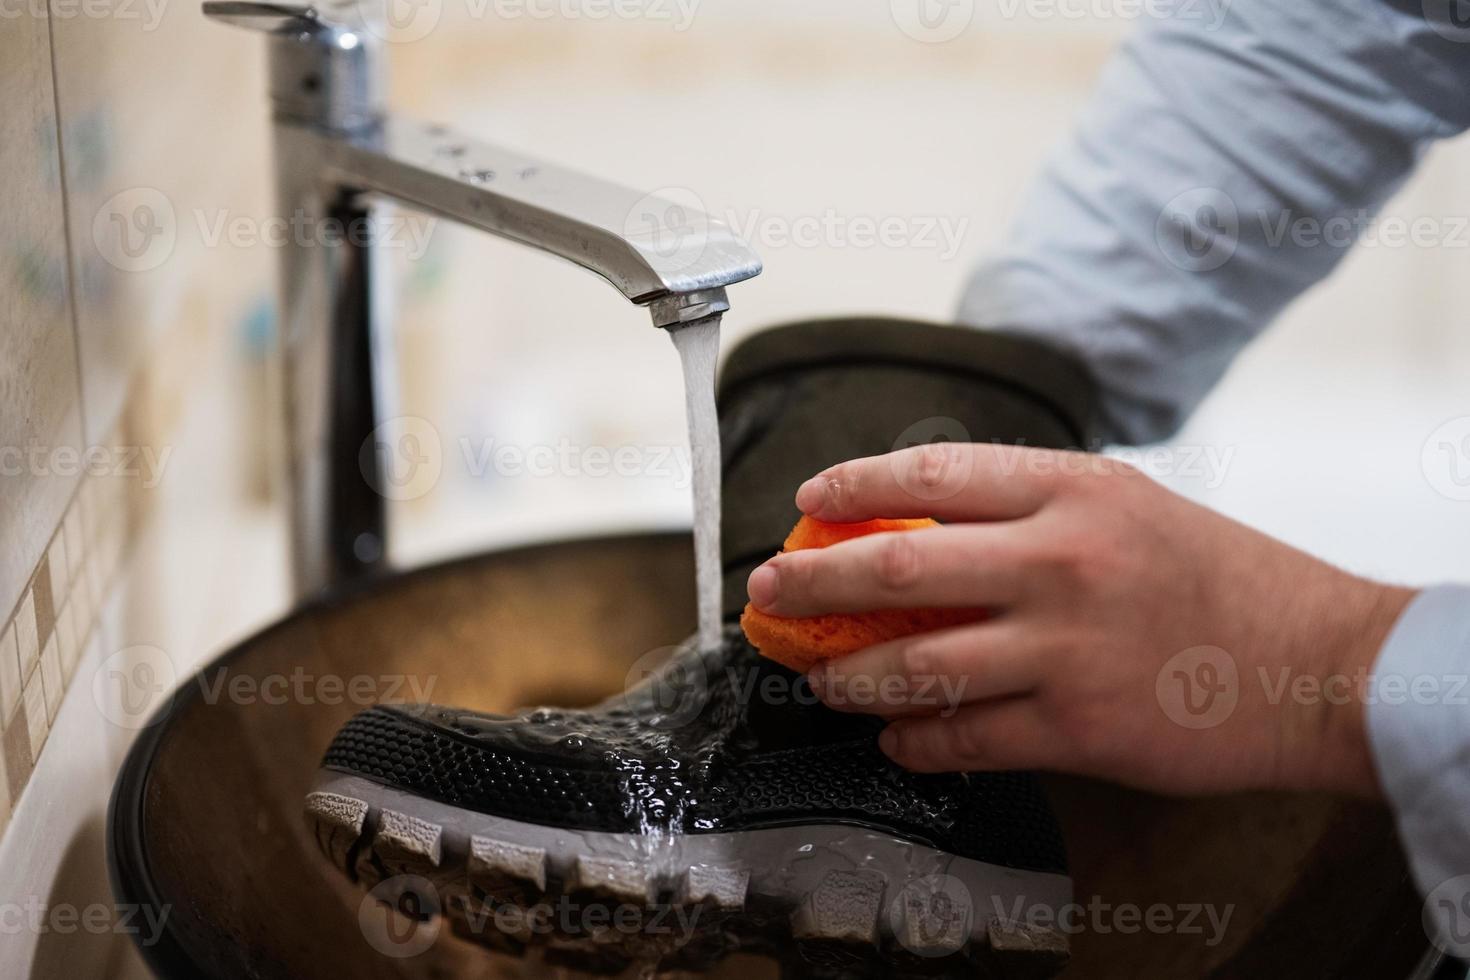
206,816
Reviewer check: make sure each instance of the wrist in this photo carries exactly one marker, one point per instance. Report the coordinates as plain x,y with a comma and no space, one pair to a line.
1335,753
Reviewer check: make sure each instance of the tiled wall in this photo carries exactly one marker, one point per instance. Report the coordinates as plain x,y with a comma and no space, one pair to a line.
109,369
39,401
38,394
57,616
43,641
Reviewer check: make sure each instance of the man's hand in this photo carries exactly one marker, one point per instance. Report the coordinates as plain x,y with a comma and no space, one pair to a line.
1135,636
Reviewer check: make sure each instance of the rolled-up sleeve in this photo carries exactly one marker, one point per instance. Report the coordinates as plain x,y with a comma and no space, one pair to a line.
1168,230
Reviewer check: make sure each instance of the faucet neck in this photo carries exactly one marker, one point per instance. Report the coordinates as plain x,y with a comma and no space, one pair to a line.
329,78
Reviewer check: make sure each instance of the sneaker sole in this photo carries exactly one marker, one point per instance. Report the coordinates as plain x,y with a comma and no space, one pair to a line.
826,899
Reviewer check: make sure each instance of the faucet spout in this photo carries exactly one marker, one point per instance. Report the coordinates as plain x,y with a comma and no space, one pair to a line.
656,251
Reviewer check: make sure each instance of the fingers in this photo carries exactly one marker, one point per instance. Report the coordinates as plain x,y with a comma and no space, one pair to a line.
945,480
968,565
931,673
987,735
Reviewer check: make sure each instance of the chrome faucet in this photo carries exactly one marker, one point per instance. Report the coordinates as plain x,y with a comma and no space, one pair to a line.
336,147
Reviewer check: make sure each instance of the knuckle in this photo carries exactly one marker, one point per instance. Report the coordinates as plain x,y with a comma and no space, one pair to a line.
795,570
1085,558
1123,470
899,565
1103,564
920,659
932,463
1112,478
1059,556
966,740
1088,475
842,487
1092,545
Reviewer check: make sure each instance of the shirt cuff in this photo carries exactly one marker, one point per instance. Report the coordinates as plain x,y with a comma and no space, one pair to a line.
1418,710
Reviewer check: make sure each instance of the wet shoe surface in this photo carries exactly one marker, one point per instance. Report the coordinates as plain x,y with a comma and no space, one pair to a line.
716,806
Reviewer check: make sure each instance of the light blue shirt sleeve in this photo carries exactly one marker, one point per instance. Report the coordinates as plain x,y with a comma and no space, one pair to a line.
1177,220
1166,233
1419,731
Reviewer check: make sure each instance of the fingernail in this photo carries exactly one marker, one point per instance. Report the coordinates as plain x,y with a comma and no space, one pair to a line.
761,586
888,741
811,494
818,680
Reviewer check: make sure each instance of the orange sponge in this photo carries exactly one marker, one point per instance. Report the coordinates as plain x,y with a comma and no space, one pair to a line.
801,644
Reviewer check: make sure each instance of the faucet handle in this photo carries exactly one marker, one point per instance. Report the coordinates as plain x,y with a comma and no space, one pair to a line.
326,66
335,17
273,18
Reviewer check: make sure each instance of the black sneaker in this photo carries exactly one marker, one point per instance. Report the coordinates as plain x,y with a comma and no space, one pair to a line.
716,807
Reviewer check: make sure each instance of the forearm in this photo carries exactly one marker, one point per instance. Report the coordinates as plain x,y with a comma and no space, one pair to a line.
1158,239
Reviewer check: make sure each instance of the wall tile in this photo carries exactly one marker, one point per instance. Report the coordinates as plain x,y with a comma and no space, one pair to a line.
81,625
66,646
40,409
9,674
15,741
45,606
72,531
37,724
5,799
41,644
56,559
27,637
51,686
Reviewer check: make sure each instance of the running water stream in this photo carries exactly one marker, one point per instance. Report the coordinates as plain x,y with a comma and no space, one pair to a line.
698,345
653,774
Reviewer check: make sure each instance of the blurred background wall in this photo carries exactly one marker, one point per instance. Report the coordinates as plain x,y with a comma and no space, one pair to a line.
869,154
